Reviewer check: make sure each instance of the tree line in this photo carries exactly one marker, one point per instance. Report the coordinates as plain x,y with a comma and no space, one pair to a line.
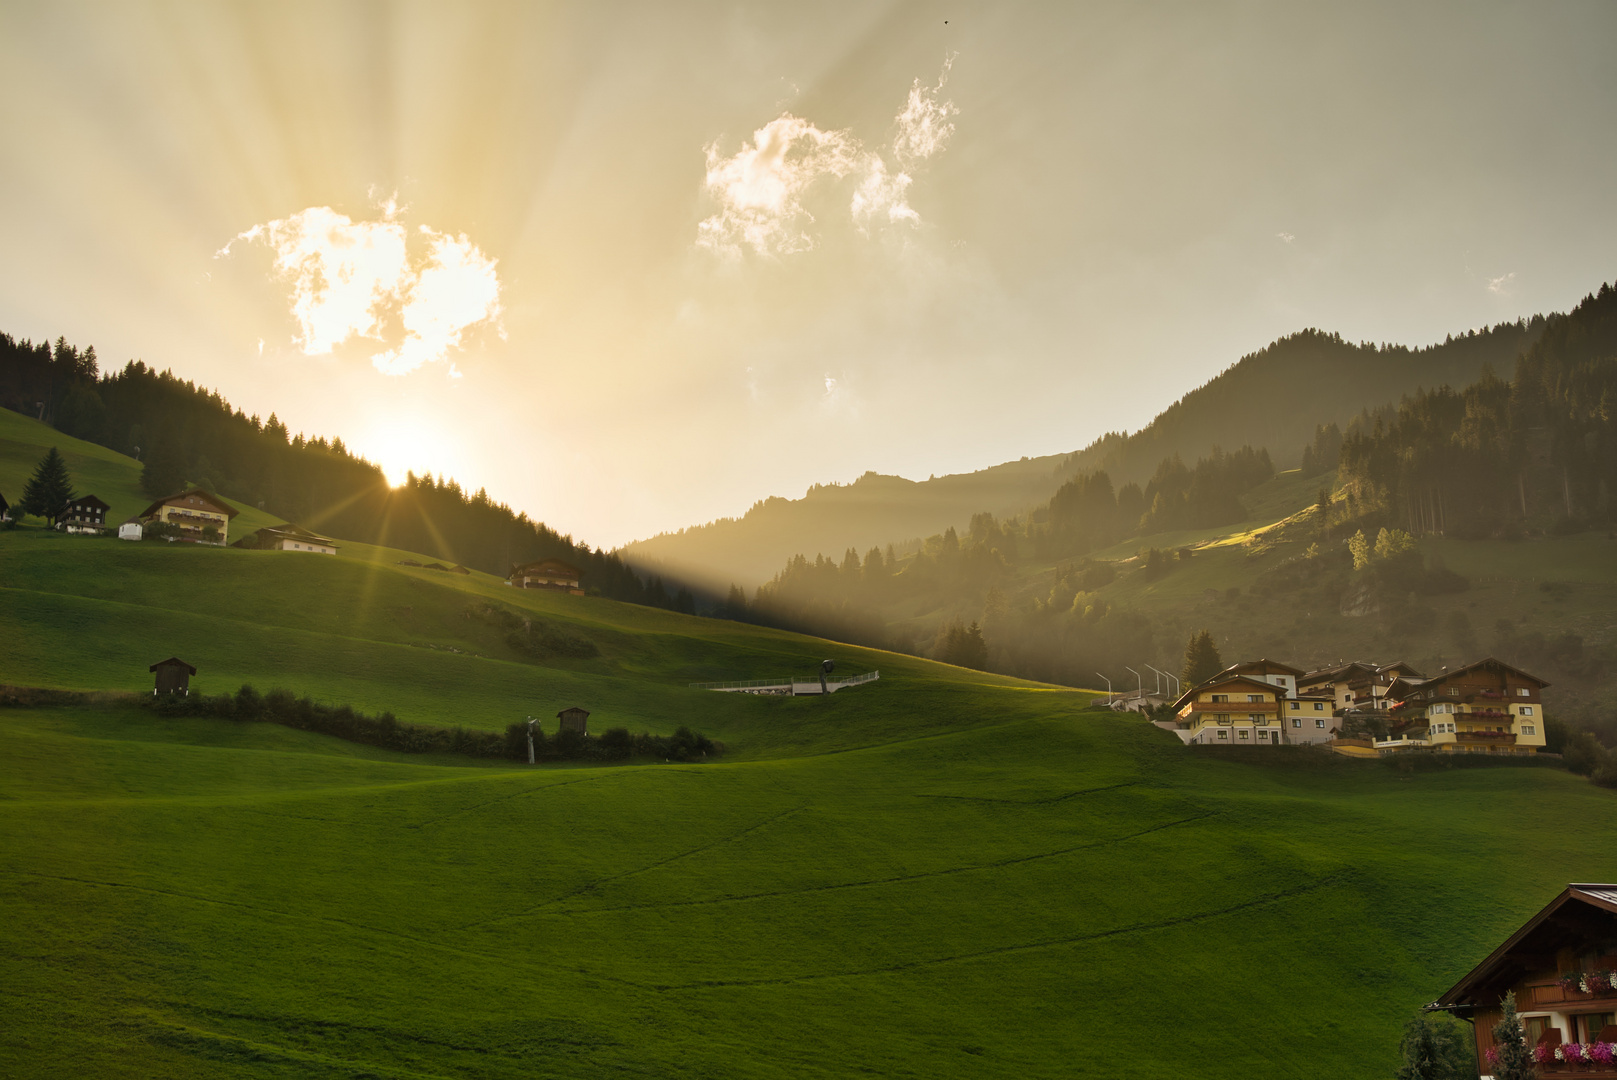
185,434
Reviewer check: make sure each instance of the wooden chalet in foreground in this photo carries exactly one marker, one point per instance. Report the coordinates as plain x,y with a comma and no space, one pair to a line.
192,512
1562,965
546,574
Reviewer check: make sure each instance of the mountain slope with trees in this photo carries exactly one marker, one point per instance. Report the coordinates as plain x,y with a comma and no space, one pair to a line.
1275,399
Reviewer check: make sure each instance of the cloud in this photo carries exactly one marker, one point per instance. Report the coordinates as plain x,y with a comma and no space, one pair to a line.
355,279
1285,237
1500,286
760,189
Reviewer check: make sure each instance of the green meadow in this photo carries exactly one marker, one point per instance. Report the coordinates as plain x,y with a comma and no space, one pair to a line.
942,873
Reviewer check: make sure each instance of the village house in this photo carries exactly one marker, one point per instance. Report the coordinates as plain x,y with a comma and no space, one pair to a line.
1282,675
1486,707
289,537
193,512
1562,966
1229,710
85,514
1355,685
574,719
546,574
173,676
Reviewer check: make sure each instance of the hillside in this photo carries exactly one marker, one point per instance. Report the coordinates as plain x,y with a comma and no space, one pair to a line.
1272,399
944,873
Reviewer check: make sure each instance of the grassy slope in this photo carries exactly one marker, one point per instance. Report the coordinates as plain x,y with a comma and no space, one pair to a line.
944,873
95,471
1068,894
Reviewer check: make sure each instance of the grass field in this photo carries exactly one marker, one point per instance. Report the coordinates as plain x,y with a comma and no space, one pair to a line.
943,873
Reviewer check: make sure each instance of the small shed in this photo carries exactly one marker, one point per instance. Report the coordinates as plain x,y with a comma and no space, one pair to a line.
131,530
173,676
574,719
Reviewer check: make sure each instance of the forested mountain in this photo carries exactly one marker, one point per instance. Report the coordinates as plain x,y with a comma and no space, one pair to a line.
1272,400
186,434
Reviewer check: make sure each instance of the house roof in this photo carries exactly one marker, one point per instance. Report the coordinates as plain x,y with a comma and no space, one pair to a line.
86,501
218,504
1262,667
546,566
1222,680
574,711
1412,684
173,661
296,532
1572,917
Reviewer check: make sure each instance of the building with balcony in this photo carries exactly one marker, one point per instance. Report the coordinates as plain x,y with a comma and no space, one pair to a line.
1356,685
1562,966
1487,707
1229,710
85,514
192,513
288,537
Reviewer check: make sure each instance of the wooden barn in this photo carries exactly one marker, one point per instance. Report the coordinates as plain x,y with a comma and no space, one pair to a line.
85,514
547,574
173,676
574,719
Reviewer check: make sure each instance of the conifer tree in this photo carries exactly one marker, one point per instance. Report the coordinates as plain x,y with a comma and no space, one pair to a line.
1202,661
46,494
1515,1057
1434,1049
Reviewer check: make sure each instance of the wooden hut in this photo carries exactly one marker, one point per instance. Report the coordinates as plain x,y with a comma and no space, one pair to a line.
574,719
173,676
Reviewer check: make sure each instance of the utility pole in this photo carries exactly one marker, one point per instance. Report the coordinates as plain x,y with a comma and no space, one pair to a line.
1108,690
826,669
531,722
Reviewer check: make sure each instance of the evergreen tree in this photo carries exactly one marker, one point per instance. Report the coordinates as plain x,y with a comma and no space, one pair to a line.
1360,547
1514,1059
47,492
1202,661
1434,1049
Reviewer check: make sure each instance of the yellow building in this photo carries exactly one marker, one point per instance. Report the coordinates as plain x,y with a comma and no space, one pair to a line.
192,513
1488,707
1230,710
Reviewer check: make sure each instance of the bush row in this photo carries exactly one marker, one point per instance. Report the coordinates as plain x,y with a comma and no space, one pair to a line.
389,733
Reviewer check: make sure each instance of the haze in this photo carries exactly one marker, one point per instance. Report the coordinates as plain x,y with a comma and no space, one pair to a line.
635,267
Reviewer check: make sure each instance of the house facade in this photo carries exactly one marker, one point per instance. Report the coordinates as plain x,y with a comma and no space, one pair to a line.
1562,966
291,537
193,512
85,514
1356,685
1487,707
546,574
1230,710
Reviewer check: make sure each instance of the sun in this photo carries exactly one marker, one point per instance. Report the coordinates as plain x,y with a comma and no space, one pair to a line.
402,444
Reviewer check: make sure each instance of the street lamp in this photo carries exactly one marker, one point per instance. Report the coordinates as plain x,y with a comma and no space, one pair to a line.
531,721
1108,690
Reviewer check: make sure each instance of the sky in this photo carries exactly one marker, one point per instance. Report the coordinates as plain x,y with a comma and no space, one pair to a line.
634,267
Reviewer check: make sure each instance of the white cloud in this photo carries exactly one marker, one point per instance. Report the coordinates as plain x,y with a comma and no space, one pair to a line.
1285,237
1500,286
355,278
760,189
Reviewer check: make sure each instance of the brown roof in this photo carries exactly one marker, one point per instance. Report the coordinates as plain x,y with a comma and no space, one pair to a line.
173,661
213,500
574,711
547,566
1571,914
87,501
1262,667
1226,680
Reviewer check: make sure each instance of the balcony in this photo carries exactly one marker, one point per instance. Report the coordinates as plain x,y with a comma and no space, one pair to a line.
1494,738
1486,714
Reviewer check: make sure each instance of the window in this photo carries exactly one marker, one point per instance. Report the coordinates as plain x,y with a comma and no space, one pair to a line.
1256,718
1254,697
1217,698
1319,723
1527,710
1295,705
1244,734
1454,691
1296,721
1223,734
1319,706
1522,691
1529,729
